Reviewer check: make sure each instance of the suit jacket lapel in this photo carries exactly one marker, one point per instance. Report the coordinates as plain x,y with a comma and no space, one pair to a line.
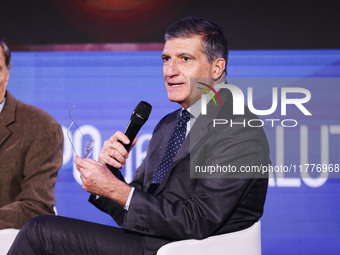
205,122
162,141
7,117
182,152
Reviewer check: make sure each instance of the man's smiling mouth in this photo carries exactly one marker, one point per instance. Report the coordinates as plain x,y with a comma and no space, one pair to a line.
176,84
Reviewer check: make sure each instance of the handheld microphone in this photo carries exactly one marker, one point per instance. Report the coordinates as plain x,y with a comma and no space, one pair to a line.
138,118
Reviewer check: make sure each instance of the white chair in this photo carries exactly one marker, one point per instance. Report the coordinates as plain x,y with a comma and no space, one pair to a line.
7,237
244,242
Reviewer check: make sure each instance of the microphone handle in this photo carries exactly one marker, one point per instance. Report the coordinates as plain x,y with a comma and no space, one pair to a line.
131,131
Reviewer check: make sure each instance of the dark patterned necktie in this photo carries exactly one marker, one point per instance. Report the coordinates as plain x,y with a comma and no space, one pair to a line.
176,139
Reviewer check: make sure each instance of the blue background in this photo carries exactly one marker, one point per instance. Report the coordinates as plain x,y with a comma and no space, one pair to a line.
106,86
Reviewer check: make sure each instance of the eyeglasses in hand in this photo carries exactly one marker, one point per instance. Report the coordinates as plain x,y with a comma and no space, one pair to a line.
88,144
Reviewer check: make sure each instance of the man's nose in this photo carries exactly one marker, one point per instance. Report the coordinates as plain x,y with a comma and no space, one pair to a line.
171,69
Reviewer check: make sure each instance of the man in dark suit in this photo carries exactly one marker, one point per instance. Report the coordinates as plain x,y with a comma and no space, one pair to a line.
165,201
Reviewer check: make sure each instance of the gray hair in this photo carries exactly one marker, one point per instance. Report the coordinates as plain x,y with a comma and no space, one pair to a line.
215,44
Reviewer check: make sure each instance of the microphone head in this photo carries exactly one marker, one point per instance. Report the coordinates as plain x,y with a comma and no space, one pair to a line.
142,111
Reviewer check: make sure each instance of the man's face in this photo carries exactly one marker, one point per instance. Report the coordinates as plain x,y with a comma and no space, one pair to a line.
4,75
183,59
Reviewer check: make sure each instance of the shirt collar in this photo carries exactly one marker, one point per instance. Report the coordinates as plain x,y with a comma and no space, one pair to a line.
2,104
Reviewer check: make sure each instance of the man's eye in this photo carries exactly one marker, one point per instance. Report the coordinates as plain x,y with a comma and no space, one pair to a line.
165,59
185,58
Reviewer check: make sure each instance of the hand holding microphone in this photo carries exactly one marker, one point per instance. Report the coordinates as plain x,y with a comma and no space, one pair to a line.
95,177
115,150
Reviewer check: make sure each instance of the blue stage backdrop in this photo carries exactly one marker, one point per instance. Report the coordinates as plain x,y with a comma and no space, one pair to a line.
302,209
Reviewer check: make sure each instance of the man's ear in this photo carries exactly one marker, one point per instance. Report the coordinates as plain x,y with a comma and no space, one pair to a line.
7,77
218,68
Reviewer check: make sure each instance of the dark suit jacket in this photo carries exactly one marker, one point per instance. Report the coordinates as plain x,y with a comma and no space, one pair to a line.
31,153
184,207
